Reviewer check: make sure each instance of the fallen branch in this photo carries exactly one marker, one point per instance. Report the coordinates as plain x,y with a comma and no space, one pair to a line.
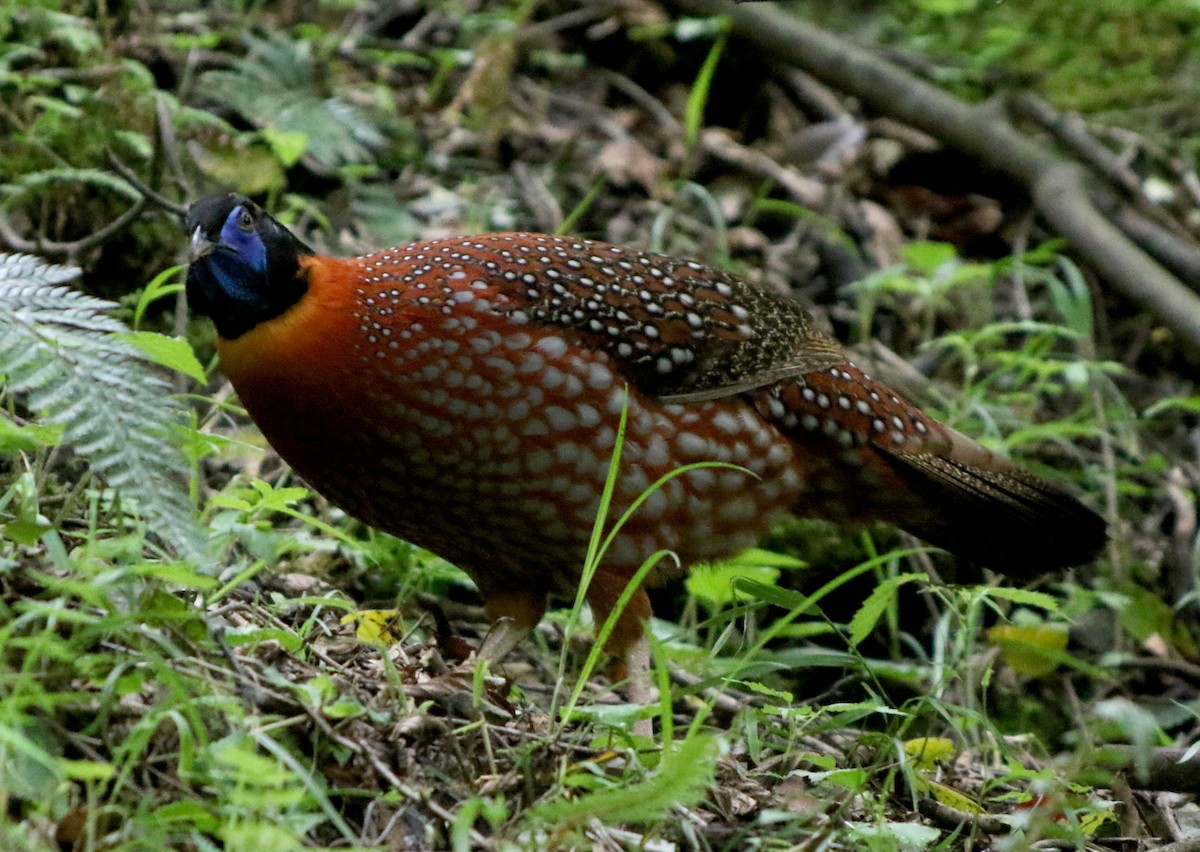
1057,186
952,818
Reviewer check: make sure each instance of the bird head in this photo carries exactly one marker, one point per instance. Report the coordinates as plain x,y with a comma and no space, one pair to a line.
244,265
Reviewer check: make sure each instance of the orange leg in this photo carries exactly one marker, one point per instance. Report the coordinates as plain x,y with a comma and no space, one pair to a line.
627,643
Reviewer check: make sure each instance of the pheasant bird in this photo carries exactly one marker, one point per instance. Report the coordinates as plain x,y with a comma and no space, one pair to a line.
465,394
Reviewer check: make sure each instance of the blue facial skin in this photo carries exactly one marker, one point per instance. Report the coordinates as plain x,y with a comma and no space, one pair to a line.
245,268
240,262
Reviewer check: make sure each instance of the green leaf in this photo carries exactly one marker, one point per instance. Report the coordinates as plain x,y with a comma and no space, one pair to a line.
783,598
681,779
251,169
175,353
758,556
876,604
1185,404
763,689
927,257
185,811
86,770
288,145
715,584
276,87
287,640
853,778
65,175
159,287
896,835
176,574
1031,650
698,97
946,7
928,752
15,439
949,796
1024,597
28,531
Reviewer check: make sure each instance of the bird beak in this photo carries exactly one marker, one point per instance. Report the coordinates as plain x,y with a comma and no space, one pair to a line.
200,246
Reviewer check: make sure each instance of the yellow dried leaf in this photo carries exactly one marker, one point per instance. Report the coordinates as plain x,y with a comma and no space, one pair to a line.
1090,823
927,752
377,626
952,798
1032,651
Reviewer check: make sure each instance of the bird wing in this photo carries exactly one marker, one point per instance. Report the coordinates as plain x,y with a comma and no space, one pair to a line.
681,331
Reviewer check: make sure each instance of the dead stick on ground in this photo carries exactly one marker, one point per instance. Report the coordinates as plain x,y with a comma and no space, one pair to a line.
1056,185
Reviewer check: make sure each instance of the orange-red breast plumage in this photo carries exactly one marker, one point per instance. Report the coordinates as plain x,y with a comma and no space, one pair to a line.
465,394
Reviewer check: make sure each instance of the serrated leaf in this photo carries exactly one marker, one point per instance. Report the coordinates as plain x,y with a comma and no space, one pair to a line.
769,558
876,604
275,87
681,779
1025,597
174,353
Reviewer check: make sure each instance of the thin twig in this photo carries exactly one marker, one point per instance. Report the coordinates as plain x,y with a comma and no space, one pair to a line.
645,100
1182,669
141,186
69,251
804,190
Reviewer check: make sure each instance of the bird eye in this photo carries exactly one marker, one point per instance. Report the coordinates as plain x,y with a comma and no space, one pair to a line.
245,220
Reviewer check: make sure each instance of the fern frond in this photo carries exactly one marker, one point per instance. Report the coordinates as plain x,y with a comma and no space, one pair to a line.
58,350
275,85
